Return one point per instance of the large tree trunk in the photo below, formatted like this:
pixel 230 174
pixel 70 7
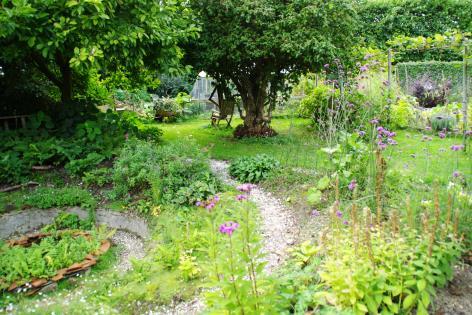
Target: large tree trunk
pixel 253 95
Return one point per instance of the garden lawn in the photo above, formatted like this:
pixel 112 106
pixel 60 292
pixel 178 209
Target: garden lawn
pixel 296 146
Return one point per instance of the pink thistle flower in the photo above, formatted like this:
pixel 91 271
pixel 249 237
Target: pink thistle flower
pixel 241 197
pixel 228 228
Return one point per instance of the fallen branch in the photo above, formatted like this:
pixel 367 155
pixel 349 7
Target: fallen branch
pixel 12 188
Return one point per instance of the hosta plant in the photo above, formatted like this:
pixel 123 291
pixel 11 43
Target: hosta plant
pixel 253 169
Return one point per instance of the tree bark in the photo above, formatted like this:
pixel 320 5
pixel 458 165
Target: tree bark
pixel 64 83
pixel 66 74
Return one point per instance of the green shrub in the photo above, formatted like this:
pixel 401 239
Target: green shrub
pixel 133 168
pixel 443 122
pixel 253 169
pixel 97 177
pixel 81 165
pixel 12 168
pixel 176 173
pixel 316 103
pixel 401 113
pixel 46 197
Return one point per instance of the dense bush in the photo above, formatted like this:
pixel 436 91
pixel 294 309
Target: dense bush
pixel 175 174
pixel 253 169
pixel 171 86
pixel 402 113
pixel 316 103
pixel 330 110
pixel 78 144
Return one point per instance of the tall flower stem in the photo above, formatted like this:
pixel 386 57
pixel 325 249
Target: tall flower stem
pixel 233 279
pixel 252 274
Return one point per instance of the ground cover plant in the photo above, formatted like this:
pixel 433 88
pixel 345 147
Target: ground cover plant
pixel 42 260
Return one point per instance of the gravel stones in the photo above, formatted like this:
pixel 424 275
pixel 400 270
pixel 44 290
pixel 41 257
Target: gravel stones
pixel 131 245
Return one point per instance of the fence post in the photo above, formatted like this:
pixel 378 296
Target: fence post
pixel 389 67
pixel 465 82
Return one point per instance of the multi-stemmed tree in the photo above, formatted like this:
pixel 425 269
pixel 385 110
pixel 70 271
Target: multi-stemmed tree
pixel 260 45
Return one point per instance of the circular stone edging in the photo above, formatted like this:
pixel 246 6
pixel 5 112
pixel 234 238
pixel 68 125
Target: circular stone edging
pixel 24 221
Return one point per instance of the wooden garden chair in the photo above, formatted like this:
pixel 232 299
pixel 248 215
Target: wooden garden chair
pixel 225 110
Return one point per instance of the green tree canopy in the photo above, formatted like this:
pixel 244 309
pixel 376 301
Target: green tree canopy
pixel 382 20
pixel 62 36
pixel 260 44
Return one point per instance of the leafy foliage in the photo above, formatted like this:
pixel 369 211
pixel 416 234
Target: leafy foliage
pixel 75 35
pixel 251 44
pixel 429 93
pixel 44 259
pixel 437 72
pixel 176 173
pixel 79 145
pixel 253 169
pixel 46 197
pixel 382 20
pixel 402 113
pixel 68 221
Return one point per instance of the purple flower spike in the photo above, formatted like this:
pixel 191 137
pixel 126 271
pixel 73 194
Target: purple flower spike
pixel 216 198
pixel 198 203
pixel 228 228
pixel 361 133
pixel 374 121
pixel 456 174
pixel 352 185
pixel 442 135
pixel 210 206
pixel 345 222
pixel 241 197
pixel 364 68
pixel 339 214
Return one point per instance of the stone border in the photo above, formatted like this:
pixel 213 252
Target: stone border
pixel 24 221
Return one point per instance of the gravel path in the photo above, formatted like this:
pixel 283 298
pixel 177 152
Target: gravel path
pixel 278 229
pixel 131 247
pixel 278 224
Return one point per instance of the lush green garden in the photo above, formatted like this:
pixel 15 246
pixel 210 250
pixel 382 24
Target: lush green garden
pixel 341 185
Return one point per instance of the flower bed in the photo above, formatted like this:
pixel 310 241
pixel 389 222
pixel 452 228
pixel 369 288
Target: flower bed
pixel 37 260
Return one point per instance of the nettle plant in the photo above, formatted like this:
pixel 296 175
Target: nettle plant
pixel 374 266
pixel 253 169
